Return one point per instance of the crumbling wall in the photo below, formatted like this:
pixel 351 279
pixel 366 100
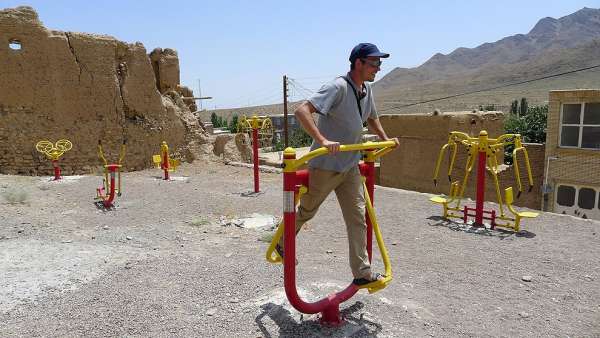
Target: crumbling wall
pixel 84 88
pixel 421 136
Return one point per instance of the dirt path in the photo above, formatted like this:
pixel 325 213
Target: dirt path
pixel 162 264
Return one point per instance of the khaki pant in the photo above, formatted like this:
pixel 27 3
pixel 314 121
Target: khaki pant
pixel 350 195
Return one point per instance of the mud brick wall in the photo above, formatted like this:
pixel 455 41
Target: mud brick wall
pixel 412 166
pixel 85 88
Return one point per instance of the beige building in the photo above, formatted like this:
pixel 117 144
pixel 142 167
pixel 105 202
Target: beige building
pixel 572 172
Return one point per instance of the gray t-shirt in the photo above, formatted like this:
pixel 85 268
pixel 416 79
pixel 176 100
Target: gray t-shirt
pixel 340 121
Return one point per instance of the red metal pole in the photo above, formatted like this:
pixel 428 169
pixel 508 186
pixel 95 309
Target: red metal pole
pixel 165 164
pixel 112 168
pixel 329 306
pixel 56 170
pixel 480 188
pixel 255 157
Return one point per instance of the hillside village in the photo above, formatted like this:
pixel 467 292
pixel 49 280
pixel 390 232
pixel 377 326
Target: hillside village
pixel 107 238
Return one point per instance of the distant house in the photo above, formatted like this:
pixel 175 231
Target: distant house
pixel 278 126
pixel 572 161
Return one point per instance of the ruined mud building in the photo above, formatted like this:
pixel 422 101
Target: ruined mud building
pixel 85 88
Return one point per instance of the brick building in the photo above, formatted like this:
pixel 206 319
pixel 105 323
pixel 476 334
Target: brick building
pixel 572 159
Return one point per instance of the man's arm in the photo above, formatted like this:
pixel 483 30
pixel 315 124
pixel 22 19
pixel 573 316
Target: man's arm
pixel 375 126
pixel 304 115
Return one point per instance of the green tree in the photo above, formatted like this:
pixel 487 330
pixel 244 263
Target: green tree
pixel 298 139
pixel 531 126
pixel 524 107
pixel 514 107
pixel 213 119
pixel 233 124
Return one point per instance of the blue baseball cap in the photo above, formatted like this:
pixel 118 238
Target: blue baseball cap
pixel 365 49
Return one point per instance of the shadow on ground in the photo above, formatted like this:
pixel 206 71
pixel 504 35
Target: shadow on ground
pixel 355 324
pixel 497 232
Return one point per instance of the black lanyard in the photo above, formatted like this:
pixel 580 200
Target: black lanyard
pixel 356 96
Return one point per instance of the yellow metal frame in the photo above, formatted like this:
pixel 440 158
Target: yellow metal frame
pixel 106 172
pixel 262 123
pixel 157 159
pixel 491 146
pixel 372 151
pixel 54 151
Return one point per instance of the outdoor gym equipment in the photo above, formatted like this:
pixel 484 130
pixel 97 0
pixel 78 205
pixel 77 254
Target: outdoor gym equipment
pixel 261 129
pixel 295 183
pixel 54 152
pixel 106 192
pixel 163 161
pixel 485 150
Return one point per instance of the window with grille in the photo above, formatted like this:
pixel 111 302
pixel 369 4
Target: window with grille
pixel 586 198
pixel 565 195
pixel 580 125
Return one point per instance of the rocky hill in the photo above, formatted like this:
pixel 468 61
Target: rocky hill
pixel 552 46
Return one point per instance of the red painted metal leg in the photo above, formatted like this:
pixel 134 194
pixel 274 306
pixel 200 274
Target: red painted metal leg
pixel 330 316
pixel 165 164
pixel 480 188
pixel 255 157
pixel 108 202
pixel 56 170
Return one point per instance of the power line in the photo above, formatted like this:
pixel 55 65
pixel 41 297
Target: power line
pixel 491 88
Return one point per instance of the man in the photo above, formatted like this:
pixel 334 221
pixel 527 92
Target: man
pixel 343 104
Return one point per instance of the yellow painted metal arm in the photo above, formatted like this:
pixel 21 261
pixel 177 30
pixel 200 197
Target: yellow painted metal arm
pixel 122 152
pixel 101 153
pixel 382 249
pixel 439 162
pixel 346 147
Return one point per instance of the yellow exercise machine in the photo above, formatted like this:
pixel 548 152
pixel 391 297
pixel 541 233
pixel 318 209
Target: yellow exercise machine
pixel 484 150
pixel 163 160
pixel 106 192
pixel 263 126
pixel 295 183
pixel 54 152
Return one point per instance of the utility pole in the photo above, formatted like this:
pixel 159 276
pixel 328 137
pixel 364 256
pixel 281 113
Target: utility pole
pixel 200 93
pixel 285 112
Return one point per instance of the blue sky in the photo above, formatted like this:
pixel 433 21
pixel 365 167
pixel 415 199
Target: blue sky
pixel 239 50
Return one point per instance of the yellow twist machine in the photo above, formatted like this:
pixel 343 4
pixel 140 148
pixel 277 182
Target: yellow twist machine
pixel 295 183
pixel 54 152
pixel 484 150
pixel 261 131
pixel 164 162
pixel 262 124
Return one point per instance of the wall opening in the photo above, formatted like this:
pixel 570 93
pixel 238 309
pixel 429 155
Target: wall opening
pixel 14 44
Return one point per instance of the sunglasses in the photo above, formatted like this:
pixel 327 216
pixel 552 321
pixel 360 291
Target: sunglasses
pixel 372 63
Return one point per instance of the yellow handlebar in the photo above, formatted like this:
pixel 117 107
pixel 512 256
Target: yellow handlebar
pixel 383 146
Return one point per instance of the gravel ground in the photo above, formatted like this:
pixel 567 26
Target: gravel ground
pixel 165 262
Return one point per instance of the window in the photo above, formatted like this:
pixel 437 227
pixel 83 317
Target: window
pixel 14 44
pixel 565 195
pixel 586 198
pixel 580 125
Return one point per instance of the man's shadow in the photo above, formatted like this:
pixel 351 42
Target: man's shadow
pixel 354 323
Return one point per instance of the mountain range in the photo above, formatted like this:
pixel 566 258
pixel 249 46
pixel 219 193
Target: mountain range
pixel 553 46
